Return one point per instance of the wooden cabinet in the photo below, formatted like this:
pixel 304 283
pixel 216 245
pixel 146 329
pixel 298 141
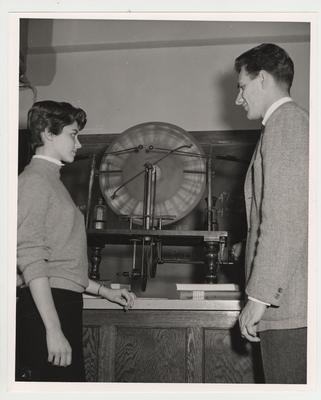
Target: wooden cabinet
pixel 167 345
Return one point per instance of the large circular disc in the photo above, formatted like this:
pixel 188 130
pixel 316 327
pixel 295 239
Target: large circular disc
pixel 178 162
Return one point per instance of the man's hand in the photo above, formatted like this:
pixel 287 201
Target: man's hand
pixel 237 250
pixel 249 318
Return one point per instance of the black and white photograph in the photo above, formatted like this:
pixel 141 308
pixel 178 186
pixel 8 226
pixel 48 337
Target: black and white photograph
pixel 162 184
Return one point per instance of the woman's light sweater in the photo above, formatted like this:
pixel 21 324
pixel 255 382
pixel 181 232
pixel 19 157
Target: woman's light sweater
pixel 51 239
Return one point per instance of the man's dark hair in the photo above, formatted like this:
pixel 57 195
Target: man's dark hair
pixel 54 116
pixel 270 58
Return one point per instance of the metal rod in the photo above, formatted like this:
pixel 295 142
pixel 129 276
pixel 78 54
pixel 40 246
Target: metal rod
pixel 209 193
pixel 124 151
pixel 141 172
pixel 125 183
pixel 134 254
pixel 153 149
pixel 90 187
pixel 189 171
pixel 153 206
pixel 147 206
pixel 111 171
pixel 180 261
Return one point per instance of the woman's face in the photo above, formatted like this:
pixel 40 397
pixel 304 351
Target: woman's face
pixel 65 145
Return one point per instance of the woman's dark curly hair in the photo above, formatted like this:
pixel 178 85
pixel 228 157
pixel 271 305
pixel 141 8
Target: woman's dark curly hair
pixel 54 116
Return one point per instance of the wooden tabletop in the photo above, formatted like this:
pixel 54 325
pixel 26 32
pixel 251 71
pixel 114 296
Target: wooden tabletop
pixel 231 302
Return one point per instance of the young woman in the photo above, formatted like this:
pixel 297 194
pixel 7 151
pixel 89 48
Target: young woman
pixel 52 253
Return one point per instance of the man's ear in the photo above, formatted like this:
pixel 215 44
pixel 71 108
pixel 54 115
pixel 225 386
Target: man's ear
pixel 265 78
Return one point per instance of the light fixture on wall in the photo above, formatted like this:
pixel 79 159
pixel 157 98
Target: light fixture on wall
pixel 27 95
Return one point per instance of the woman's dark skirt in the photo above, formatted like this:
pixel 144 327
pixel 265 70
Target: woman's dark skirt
pixel 31 345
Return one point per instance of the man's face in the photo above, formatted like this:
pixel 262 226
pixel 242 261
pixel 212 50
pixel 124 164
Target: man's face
pixel 250 95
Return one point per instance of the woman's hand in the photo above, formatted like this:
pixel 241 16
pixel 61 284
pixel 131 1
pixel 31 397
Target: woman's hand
pixel 59 349
pixel 120 296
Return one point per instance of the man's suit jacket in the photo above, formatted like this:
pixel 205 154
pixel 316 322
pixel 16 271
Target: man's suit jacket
pixel 276 198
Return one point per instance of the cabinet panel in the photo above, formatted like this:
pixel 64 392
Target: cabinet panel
pixel 168 346
pixel 91 352
pixel 228 359
pixel 195 354
pixel 150 355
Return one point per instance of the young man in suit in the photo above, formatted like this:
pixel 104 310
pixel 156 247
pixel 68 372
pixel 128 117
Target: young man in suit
pixel 276 197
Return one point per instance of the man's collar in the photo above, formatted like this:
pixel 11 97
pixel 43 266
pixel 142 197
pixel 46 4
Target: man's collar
pixel 273 107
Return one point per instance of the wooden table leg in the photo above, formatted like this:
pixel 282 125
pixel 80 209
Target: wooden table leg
pixel 211 258
pixel 95 262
